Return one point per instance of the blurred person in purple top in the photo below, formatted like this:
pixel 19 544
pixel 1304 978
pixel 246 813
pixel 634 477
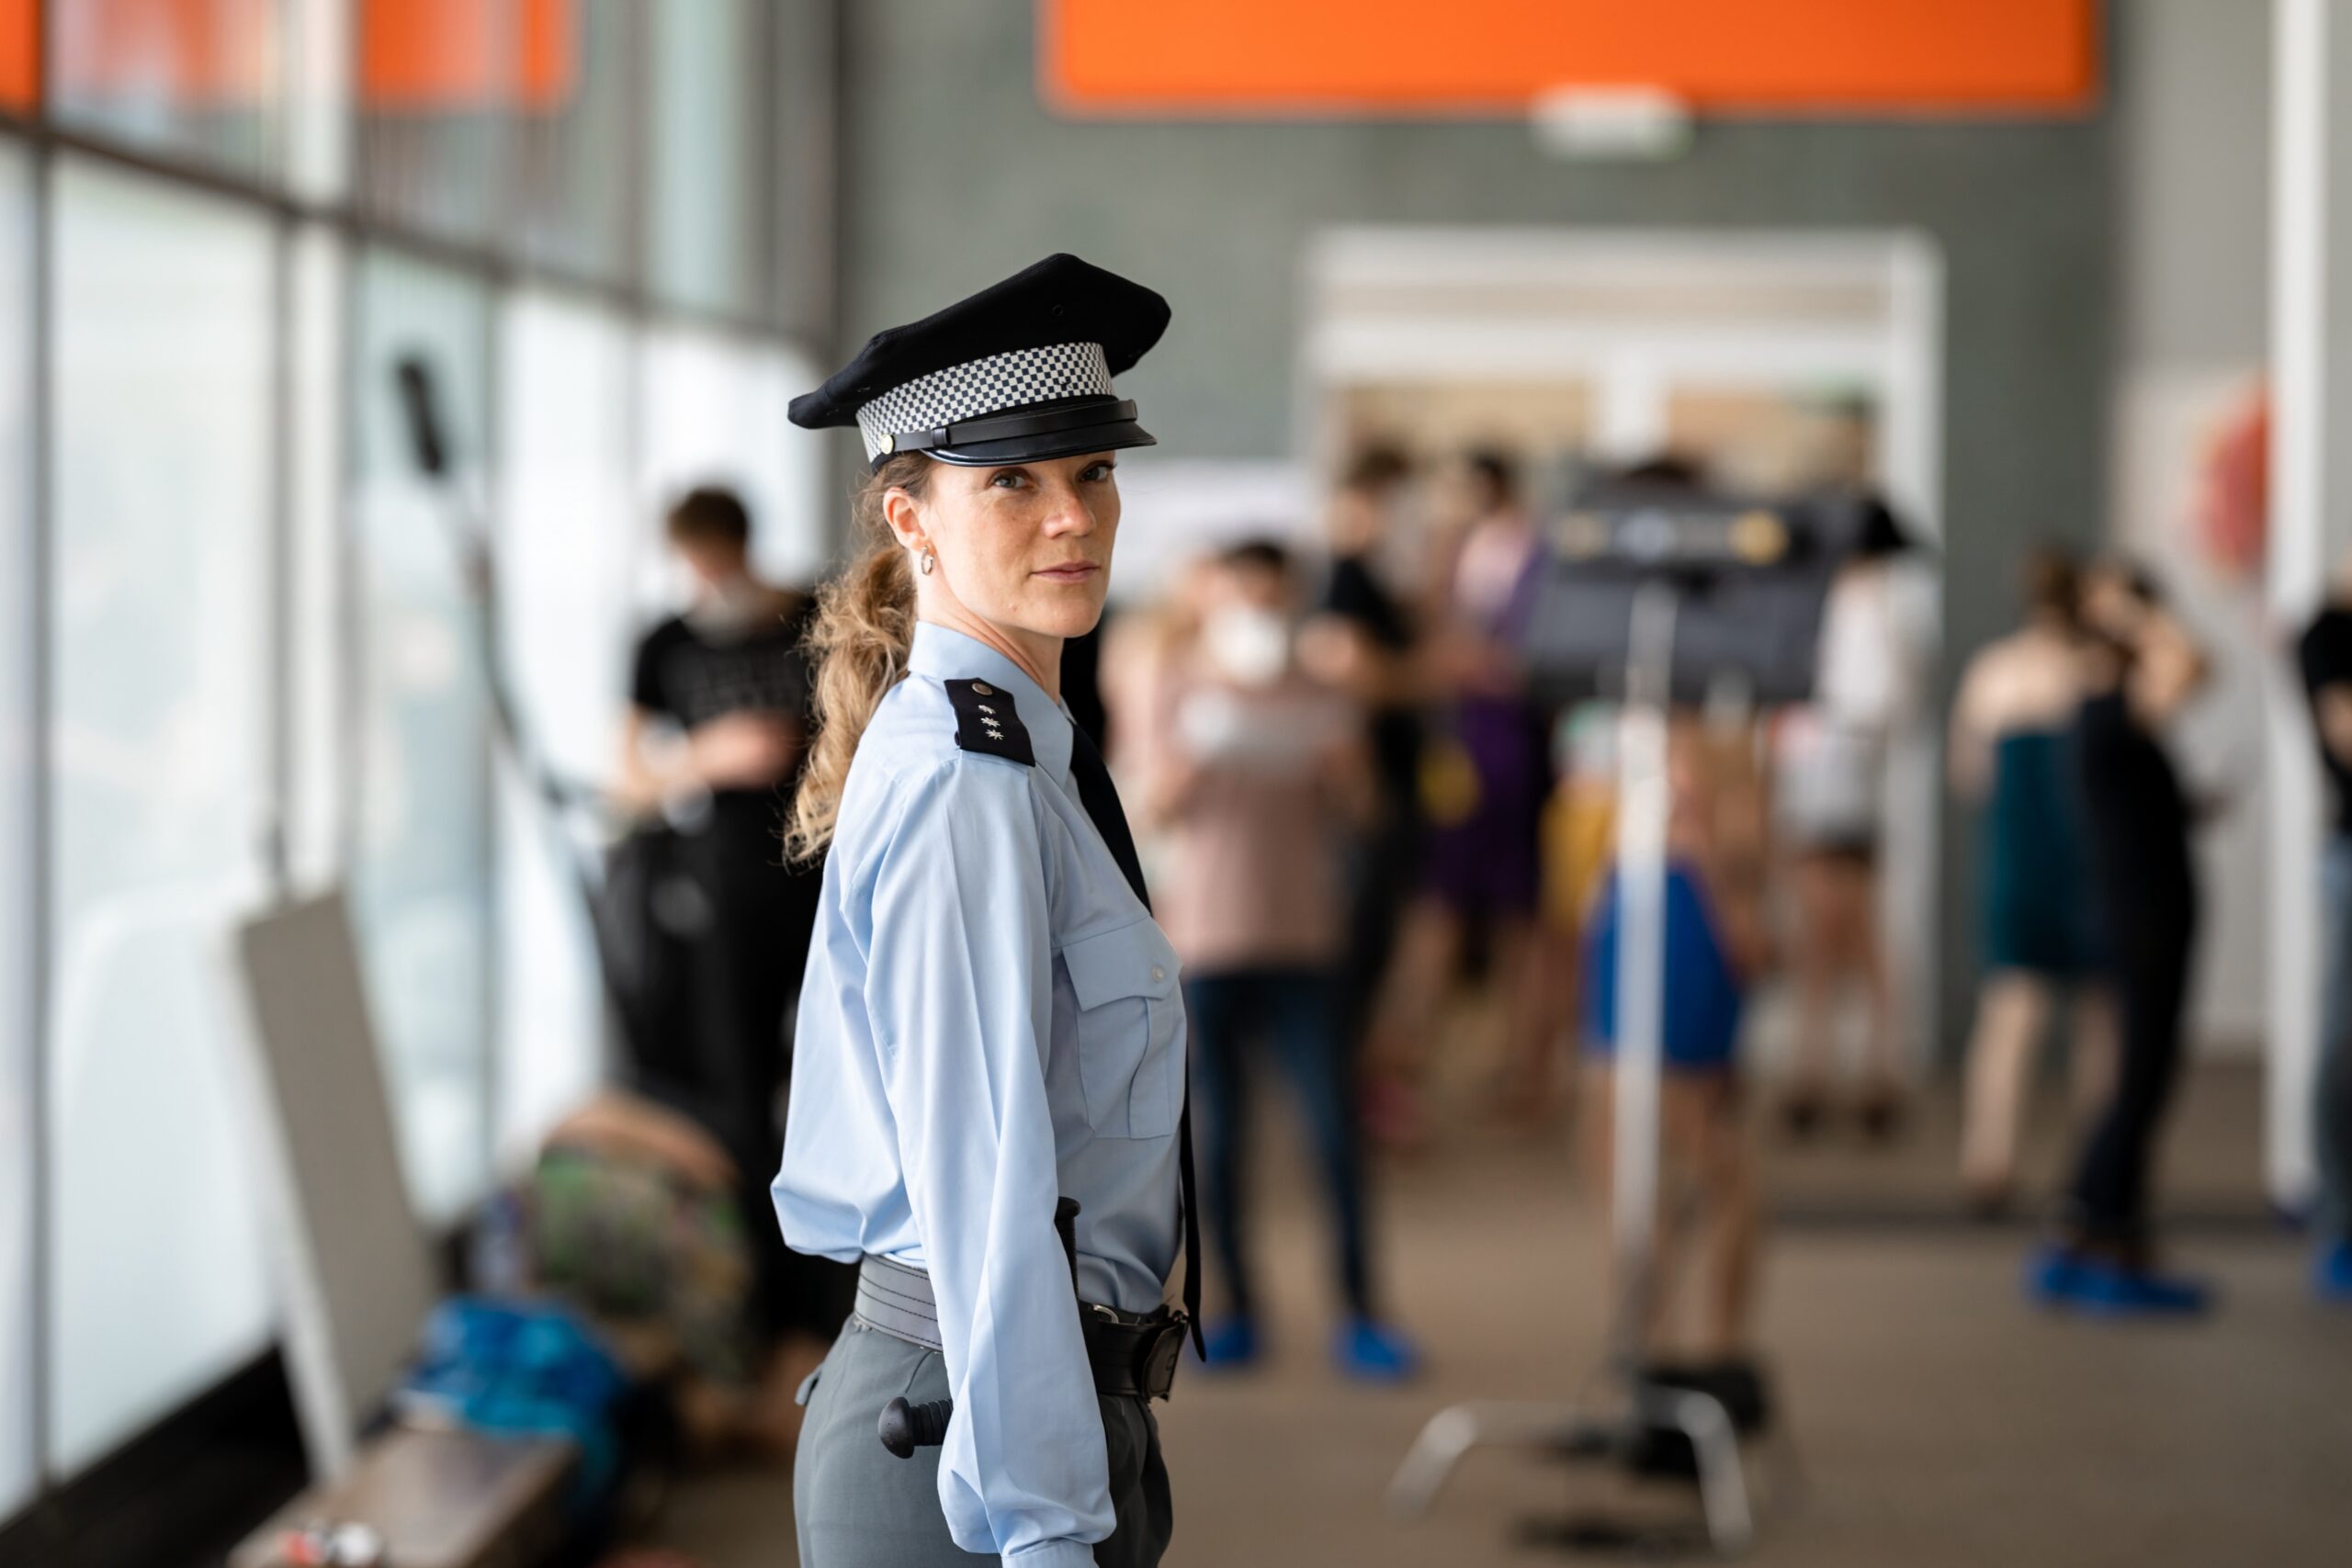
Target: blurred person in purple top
pixel 1485 773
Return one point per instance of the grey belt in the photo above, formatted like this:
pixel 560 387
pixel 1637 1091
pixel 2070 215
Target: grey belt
pixel 897 1301
pixel 1132 1356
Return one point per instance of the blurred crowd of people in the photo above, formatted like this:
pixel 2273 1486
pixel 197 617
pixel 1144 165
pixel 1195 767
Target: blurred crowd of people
pixel 2088 895
pixel 1358 795
pixel 1355 798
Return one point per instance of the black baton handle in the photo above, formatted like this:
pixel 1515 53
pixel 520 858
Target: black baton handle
pixel 905 1428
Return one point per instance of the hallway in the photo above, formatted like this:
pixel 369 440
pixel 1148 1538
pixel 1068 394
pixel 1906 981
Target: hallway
pixel 1937 1422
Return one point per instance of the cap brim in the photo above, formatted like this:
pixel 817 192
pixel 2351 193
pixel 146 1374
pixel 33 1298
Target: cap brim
pixel 1112 435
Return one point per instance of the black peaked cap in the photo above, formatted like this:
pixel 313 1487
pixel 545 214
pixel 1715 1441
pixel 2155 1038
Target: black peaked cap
pixel 1060 299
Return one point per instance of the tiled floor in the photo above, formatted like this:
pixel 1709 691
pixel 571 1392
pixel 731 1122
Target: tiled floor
pixel 1938 1421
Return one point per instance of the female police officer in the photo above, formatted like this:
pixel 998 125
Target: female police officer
pixel 991 1022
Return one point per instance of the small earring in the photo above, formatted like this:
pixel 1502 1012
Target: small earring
pixel 928 562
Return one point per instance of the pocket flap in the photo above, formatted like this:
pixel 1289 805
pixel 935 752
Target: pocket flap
pixel 1133 960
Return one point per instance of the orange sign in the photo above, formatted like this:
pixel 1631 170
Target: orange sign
pixel 19 55
pixel 423 55
pixel 1477 57
pixel 449 54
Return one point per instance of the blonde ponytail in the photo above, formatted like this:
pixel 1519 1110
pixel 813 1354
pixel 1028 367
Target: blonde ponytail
pixel 864 627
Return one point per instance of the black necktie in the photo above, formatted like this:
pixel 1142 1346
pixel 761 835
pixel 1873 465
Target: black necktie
pixel 1101 798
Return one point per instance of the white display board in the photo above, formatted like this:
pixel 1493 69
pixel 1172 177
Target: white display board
pixel 354 1270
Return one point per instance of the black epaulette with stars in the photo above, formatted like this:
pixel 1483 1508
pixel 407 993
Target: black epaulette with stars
pixel 987 722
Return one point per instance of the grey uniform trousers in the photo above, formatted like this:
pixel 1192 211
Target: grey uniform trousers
pixel 857 1506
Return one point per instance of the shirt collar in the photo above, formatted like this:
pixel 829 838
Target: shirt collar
pixel 949 655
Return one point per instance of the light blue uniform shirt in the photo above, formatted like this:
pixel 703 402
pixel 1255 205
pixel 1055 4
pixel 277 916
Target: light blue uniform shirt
pixel 990 1021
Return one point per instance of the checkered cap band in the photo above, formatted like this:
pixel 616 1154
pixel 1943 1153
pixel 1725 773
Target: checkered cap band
pixel 980 386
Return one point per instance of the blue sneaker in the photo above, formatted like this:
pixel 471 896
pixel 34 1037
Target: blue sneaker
pixel 1230 1344
pixel 2105 1289
pixel 2331 1273
pixel 2050 1276
pixel 1371 1352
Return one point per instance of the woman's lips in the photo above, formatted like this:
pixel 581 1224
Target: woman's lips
pixel 1075 571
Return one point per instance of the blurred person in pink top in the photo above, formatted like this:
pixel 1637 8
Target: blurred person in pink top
pixel 1261 772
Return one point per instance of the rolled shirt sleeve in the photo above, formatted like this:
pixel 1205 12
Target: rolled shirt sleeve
pixel 960 995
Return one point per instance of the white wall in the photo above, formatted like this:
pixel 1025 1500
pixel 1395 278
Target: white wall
pixel 2192 79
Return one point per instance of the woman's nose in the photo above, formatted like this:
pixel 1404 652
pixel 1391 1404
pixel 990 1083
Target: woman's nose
pixel 1068 511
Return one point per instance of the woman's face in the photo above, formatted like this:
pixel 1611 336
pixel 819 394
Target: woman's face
pixel 1025 546
pixel 2111 604
pixel 1357 521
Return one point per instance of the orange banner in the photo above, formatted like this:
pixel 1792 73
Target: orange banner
pixel 436 55
pixel 1305 57
pixel 423 55
pixel 19 55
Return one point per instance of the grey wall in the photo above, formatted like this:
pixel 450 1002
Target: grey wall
pixel 2193 172
pixel 954 175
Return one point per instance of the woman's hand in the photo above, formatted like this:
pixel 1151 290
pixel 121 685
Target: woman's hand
pixel 1170 786
pixel 742 750
pixel 2168 668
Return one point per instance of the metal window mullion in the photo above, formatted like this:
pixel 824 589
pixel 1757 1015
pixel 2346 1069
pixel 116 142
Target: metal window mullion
pixel 638 110
pixel 491 625
pixel 350 630
pixel 279 581
pixel 40 535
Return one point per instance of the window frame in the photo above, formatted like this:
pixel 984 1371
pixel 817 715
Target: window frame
pixel 247 1418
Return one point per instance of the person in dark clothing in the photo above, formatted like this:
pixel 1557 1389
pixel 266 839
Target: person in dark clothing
pixel 2324 655
pixel 2142 667
pixel 1360 640
pixel 714 739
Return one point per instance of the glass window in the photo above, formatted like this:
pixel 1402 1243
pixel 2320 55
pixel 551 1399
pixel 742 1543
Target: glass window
pixel 158 608
pixel 802 156
pixel 572 145
pixel 435 81
pixel 714 413
pixel 19 1462
pixel 421 876
pixel 197 77
pixel 704 200
pixel 564 565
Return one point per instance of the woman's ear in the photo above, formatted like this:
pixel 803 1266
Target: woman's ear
pixel 904 515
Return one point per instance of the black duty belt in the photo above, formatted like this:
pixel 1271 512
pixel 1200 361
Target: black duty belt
pixel 1133 1356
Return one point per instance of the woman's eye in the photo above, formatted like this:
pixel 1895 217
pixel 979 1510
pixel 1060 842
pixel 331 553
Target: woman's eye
pixel 1008 479
pixel 1095 473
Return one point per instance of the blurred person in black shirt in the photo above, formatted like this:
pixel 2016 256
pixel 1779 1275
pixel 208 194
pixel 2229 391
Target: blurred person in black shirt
pixel 2326 656
pixel 2141 667
pixel 1362 640
pixel 714 737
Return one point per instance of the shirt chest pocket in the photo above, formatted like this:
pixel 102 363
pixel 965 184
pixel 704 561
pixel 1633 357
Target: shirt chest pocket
pixel 1130 1029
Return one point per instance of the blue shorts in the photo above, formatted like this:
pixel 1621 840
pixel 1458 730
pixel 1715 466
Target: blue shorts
pixel 1704 998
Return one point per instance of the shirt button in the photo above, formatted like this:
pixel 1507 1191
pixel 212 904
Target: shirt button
pixel 982 689
pixel 1157 974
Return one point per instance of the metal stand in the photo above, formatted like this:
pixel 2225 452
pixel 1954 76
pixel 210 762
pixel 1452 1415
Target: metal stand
pixel 1589 1426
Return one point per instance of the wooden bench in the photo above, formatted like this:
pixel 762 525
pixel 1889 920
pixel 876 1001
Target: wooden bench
pixel 440 1499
